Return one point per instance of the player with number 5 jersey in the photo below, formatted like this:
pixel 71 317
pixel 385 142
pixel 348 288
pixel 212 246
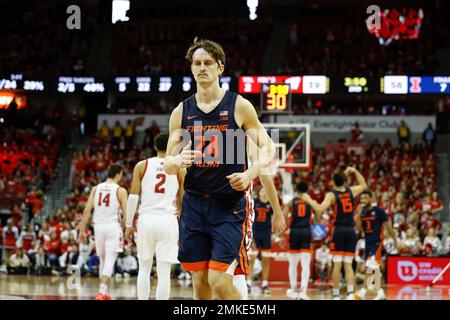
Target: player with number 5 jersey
pixel 343 235
pixel 109 201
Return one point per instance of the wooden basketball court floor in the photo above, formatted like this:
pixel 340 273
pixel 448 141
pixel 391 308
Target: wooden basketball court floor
pixel 13 287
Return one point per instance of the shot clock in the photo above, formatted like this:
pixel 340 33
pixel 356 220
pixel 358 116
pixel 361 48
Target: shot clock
pixel 275 98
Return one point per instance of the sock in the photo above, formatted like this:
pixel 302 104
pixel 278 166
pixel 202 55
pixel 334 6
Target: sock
pixel 103 289
pixel 362 292
pixel 305 259
pixel 293 262
pixel 335 292
pixel 163 287
pixel 350 288
pixel 241 285
pixel 143 278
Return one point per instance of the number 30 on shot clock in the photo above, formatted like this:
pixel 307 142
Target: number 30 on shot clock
pixel 275 97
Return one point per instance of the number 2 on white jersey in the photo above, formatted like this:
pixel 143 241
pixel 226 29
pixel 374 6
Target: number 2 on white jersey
pixel 162 179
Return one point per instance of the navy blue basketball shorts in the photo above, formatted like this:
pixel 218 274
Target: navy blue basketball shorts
pixel 213 232
pixel 373 248
pixel 343 243
pixel 300 240
pixel 262 239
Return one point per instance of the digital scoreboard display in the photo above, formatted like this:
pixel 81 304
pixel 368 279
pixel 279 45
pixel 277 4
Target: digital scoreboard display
pixel 415 85
pixel 19 82
pixel 356 84
pixel 79 84
pixel 429 84
pixel 275 97
pixel 298 84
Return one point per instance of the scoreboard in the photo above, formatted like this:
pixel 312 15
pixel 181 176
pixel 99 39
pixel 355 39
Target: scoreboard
pixel 298 84
pixel 275 97
pixel 415 85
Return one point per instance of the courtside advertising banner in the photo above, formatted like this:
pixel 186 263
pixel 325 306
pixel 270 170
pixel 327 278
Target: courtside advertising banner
pixel 417 270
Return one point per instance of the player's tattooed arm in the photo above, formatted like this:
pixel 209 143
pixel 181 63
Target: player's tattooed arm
pixel 362 184
pixel 86 214
pixel 178 156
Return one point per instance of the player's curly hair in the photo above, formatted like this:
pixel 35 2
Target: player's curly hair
pixel 213 48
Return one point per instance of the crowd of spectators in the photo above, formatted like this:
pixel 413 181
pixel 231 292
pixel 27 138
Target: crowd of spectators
pixel 347 48
pixel 37 42
pixel 27 163
pixel 157 46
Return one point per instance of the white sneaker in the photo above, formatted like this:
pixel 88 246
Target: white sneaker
pixel 126 275
pixel 360 295
pixel 303 296
pixel 336 298
pixel 181 276
pixel 353 296
pixel 380 296
pixel 187 276
pixel 118 276
pixel 292 294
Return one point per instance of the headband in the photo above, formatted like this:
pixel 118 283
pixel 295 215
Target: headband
pixel 202 51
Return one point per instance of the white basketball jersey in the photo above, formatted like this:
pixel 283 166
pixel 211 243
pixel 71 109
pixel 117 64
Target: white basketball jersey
pixel 106 204
pixel 158 189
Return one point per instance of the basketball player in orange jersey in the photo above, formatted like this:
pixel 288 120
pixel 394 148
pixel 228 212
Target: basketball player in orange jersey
pixel 300 248
pixel 109 201
pixel 343 233
pixel 157 225
pixel 215 205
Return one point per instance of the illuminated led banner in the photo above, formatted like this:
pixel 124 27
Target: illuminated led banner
pixel 298 84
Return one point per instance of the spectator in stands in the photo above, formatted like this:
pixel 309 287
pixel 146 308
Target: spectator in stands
pixel 127 265
pixel 68 258
pixel 429 137
pixel 18 263
pixel 447 243
pixel 85 248
pixel 41 263
pixel 129 134
pixel 323 263
pixel 357 134
pixel 105 131
pixel 117 134
pixel 52 248
pixel 410 244
pixel 432 244
pixel 10 235
pixel 93 265
pixel 403 133
pixel 27 238
pixel 437 206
